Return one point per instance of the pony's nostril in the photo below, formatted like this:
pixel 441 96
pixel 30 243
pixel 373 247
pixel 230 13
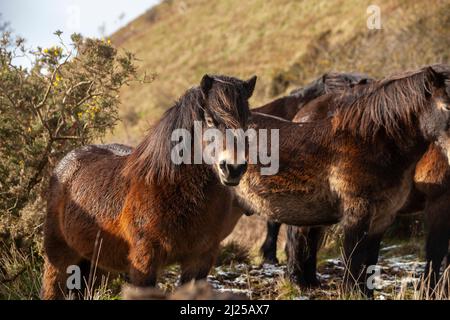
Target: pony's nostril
pixel 236 170
pixel 243 167
pixel 223 165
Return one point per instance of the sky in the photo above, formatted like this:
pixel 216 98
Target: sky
pixel 37 20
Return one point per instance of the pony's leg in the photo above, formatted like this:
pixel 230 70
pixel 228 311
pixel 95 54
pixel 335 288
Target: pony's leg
pixel 269 247
pixel 91 278
pixel 58 258
pixel 356 227
pixel 143 265
pixel 373 251
pixel 437 242
pixel 436 250
pixel 447 264
pixel 198 268
pixel 53 286
pixel 301 248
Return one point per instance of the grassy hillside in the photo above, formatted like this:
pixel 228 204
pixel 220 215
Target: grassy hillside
pixel 285 43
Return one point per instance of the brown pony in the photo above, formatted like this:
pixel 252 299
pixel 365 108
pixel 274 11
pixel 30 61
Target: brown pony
pixel 357 164
pixel 136 211
pixel 431 193
pixel 432 183
pixel 287 108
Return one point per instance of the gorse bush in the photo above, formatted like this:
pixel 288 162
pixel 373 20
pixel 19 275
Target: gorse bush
pixel 68 97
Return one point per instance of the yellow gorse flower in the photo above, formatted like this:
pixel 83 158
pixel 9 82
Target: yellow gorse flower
pixel 53 51
pixel 57 80
pixel 108 41
pixel 90 111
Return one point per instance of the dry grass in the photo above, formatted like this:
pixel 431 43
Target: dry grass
pixel 286 43
pixel 20 273
pixel 232 252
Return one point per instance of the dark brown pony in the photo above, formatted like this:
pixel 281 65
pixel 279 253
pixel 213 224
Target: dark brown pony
pixel 431 193
pixel 357 164
pixel 287 108
pixel 432 183
pixel 136 211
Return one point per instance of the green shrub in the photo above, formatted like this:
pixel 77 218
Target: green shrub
pixel 68 97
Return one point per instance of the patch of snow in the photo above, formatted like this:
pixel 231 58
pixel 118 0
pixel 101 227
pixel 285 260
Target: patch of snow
pixel 407 263
pixel 232 290
pixel 395 246
pixel 323 276
pixel 301 298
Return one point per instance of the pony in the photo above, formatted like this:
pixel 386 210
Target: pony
pixel 355 166
pixel 135 210
pixel 430 193
pixel 287 108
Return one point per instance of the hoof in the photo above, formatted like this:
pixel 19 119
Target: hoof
pixel 271 260
pixel 305 283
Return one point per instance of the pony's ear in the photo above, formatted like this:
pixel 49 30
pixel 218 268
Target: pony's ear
pixel 206 83
pixel 439 74
pixel 250 86
pixel 364 81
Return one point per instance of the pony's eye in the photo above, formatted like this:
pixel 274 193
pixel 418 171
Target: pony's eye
pixel 210 121
pixel 443 105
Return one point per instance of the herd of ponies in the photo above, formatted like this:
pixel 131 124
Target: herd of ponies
pixel 352 150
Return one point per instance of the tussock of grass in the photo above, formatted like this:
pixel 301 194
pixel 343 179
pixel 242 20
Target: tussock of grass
pixel 285 290
pixel 20 273
pixel 232 252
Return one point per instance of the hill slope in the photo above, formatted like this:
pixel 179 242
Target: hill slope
pixel 286 43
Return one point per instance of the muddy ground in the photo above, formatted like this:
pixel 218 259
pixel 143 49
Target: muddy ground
pixel 401 269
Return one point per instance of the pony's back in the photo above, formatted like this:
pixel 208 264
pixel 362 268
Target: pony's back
pixel 332 82
pixel 71 162
pixel 86 172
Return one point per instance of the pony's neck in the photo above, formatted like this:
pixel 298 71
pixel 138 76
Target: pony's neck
pixel 390 106
pixel 151 160
pixel 194 174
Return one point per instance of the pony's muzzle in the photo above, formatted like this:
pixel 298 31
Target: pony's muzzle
pixel 231 174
